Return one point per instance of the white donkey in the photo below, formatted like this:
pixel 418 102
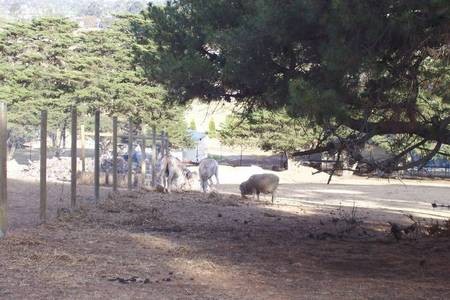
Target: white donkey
pixel 172 169
pixel 207 169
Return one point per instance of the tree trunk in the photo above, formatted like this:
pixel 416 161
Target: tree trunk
pixel 143 162
pixel 11 151
pixel 240 162
pixel 286 161
pixel 59 141
pixel 63 135
pixel 53 139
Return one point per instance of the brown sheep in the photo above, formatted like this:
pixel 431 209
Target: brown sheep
pixel 261 183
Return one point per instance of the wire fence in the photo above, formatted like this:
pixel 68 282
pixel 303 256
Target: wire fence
pixel 429 171
pixel 117 155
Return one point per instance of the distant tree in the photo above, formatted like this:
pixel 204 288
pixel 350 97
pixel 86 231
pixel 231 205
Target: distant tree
pixel 119 87
pixel 237 132
pixel 192 125
pixel 270 131
pixel 212 129
pixel 278 132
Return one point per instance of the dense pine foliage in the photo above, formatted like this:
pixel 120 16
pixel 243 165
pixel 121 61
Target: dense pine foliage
pixel 362 70
pixel 49 63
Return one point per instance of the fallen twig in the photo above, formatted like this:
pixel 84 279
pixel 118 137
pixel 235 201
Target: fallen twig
pixel 435 205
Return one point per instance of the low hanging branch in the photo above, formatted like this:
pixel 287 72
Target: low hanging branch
pixel 421 162
pixel 353 145
pixel 335 167
pixel 393 164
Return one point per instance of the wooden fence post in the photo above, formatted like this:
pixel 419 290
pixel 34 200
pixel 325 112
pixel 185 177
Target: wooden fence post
pixel 97 156
pixel 43 169
pixel 73 180
pixel 3 171
pixel 130 155
pixel 154 156
pixel 82 150
pixel 114 141
pixel 163 153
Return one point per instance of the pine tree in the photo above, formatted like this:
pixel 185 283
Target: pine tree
pixel 212 129
pixel 192 125
pixel 49 64
pixel 270 131
pixel 377 68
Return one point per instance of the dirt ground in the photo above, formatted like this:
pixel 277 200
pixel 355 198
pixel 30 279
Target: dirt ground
pixel 315 242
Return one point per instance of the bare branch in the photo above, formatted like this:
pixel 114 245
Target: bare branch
pixel 421 162
pixel 335 167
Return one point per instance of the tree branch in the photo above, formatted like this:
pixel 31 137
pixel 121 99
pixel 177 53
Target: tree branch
pixel 437 131
pixel 421 162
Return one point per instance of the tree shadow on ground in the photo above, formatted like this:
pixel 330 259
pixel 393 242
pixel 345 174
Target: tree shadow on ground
pixel 288 251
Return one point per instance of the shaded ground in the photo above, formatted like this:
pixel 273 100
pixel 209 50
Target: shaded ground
pixel 23 200
pixel 193 246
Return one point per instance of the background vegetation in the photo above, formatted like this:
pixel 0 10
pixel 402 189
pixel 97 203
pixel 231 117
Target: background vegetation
pixel 49 63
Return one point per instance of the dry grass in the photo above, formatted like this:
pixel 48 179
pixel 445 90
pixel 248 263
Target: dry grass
pixel 195 246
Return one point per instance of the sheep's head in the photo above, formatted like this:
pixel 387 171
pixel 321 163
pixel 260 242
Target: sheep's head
pixel 188 174
pixel 245 189
pixel 188 178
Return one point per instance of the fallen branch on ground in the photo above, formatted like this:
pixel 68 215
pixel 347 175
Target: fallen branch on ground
pixel 434 205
